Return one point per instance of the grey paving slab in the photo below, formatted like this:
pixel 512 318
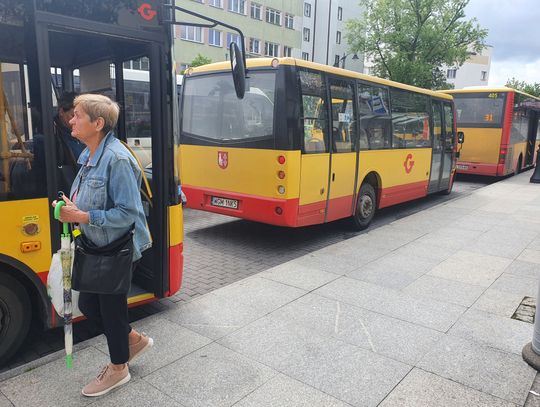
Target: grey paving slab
pixel 426 251
pixel 470 202
pixel 424 389
pixel 329 261
pixel 523 269
pixel 346 372
pixel 217 314
pixel 531 256
pixel 171 342
pixel 345 258
pixel 212 376
pixel 306 278
pixel 503 242
pixel 450 237
pixel 4 402
pixel 498 302
pixel 533 400
pixel 511 284
pixel 471 268
pixel 428 313
pixel 493 330
pixel 53 384
pixel 396 339
pixel 283 391
pixel 441 289
pixel 381 273
pixel 483 368
pixel 136 393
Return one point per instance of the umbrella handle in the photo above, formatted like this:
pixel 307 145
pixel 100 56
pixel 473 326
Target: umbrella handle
pixel 57 209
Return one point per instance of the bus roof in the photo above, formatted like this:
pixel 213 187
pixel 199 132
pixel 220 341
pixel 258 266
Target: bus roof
pixel 267 62
pixel 486 89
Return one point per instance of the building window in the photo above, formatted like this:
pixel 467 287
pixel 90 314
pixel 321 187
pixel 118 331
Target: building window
pixel 237 6
pixel 306 34
pixel 142 64
pixel 256 11
pixel 233 38
pixel 338 37
pixel 183 67
pixel 289 21
pixel 307 9
pixel 254 46
pixel 336 60
pixel 483 76
pixel 271 49
pixel 287 51
pixel 191 33
pixel 198 1
pixel 216 3
pixel 451 73
pixel 273 16
pixel 214 37
pixel 305 56
pixel 340 13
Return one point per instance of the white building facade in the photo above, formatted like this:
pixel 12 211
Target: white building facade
pixel 474 72
pixel 324 32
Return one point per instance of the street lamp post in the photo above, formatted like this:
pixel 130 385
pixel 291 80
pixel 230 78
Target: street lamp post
pixel 343 58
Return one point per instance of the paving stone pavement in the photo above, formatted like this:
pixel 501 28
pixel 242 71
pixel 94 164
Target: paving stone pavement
pixel 316 331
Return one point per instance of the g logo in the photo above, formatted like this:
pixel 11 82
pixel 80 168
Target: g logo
pixel 146 12
pixel 409 163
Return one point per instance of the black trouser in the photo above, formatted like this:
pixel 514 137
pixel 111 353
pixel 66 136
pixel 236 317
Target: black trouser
pixel 111 313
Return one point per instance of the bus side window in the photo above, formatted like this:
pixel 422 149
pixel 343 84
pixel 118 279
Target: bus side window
pixel 449 126
pixel 343 116
pixel 375 123
pixel 410 118
pixel 314 112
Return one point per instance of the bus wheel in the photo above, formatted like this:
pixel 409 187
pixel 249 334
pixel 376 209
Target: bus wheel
pixel 366 205
pixel 15 316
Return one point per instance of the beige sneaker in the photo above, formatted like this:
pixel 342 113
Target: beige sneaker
pixel 138 348
pixel 106 380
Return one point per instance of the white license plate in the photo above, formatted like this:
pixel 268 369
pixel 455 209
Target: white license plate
pixel 224 202
pixel 462 167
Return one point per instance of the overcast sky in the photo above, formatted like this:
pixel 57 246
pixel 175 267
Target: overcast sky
pixel 514 33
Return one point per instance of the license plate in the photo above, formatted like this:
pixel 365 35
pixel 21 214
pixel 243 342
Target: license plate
pixel 462 167
pixel 224 202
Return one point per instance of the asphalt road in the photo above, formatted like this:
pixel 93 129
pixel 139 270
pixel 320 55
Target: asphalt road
pixel 219 250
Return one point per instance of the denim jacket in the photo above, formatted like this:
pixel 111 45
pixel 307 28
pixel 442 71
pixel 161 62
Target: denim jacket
pixel 107 187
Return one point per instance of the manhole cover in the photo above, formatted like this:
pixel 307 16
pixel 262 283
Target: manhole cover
pixel 526 310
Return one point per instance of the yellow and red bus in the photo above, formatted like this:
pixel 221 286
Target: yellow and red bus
pixel 41 37
pixel 501 128
pixel 310 143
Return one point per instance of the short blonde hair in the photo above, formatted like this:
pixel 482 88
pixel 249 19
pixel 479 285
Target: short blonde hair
pixel 99 106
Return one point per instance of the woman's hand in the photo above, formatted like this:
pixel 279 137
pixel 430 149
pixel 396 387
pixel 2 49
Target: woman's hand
pixel 70 213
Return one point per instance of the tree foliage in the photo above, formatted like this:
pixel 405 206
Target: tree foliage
pixel 530 88
pixel 409 40
pixel 200 60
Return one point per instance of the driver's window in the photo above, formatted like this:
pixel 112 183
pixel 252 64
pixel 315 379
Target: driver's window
pixel 314 112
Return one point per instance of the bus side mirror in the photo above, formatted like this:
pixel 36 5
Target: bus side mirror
pixel 460 137
pixel 238 70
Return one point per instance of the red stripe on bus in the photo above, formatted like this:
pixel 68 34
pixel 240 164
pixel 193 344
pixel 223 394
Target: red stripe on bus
pixel 479 169
pixel 339 208
pixel 402 193
pixel 311 214
pixel 176 267
pixel 280 212
pixel 508 116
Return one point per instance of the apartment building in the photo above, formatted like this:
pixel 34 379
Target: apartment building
pixel 474 72
pixel 324 31
pixel 271 28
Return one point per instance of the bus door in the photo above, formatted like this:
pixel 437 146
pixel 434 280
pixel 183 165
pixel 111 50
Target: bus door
pixel 315 158
pixel 343 158
pixel 531 138
pixel 437 147
pixel 448 146
pixel 101 63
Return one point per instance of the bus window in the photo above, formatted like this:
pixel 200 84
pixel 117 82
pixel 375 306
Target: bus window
pixel 315 112
pixel 375 121
pixel 212 111
pixel 343 116
pixel 479 109
pixel 449 126
pixel 520 120
pixel 410 120
pixel 22 161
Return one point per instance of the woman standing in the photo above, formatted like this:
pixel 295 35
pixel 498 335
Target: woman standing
pixel 105 202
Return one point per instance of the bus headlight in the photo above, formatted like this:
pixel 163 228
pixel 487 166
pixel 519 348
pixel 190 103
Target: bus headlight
pixel 281 189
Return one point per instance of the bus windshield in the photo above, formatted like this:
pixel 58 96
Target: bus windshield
pixel 479 109
pixel 212 111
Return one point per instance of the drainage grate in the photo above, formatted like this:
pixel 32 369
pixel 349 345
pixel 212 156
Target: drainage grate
pixel 526 310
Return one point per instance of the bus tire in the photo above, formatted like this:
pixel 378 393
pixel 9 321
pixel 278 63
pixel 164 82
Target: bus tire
pixel 366 205
pixel 15 316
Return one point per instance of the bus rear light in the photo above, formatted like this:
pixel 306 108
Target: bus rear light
pixel 502 156
pixel 281 189
pixel 279 210
pixel 281 159
pixel 281 174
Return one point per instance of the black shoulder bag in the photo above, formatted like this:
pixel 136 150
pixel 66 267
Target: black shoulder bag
pixel 103 270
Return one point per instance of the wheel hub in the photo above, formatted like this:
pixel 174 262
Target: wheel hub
pixel 366 206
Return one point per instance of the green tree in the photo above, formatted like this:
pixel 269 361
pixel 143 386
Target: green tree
pixel 200 60
pixel 409 40
pixel 530 88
